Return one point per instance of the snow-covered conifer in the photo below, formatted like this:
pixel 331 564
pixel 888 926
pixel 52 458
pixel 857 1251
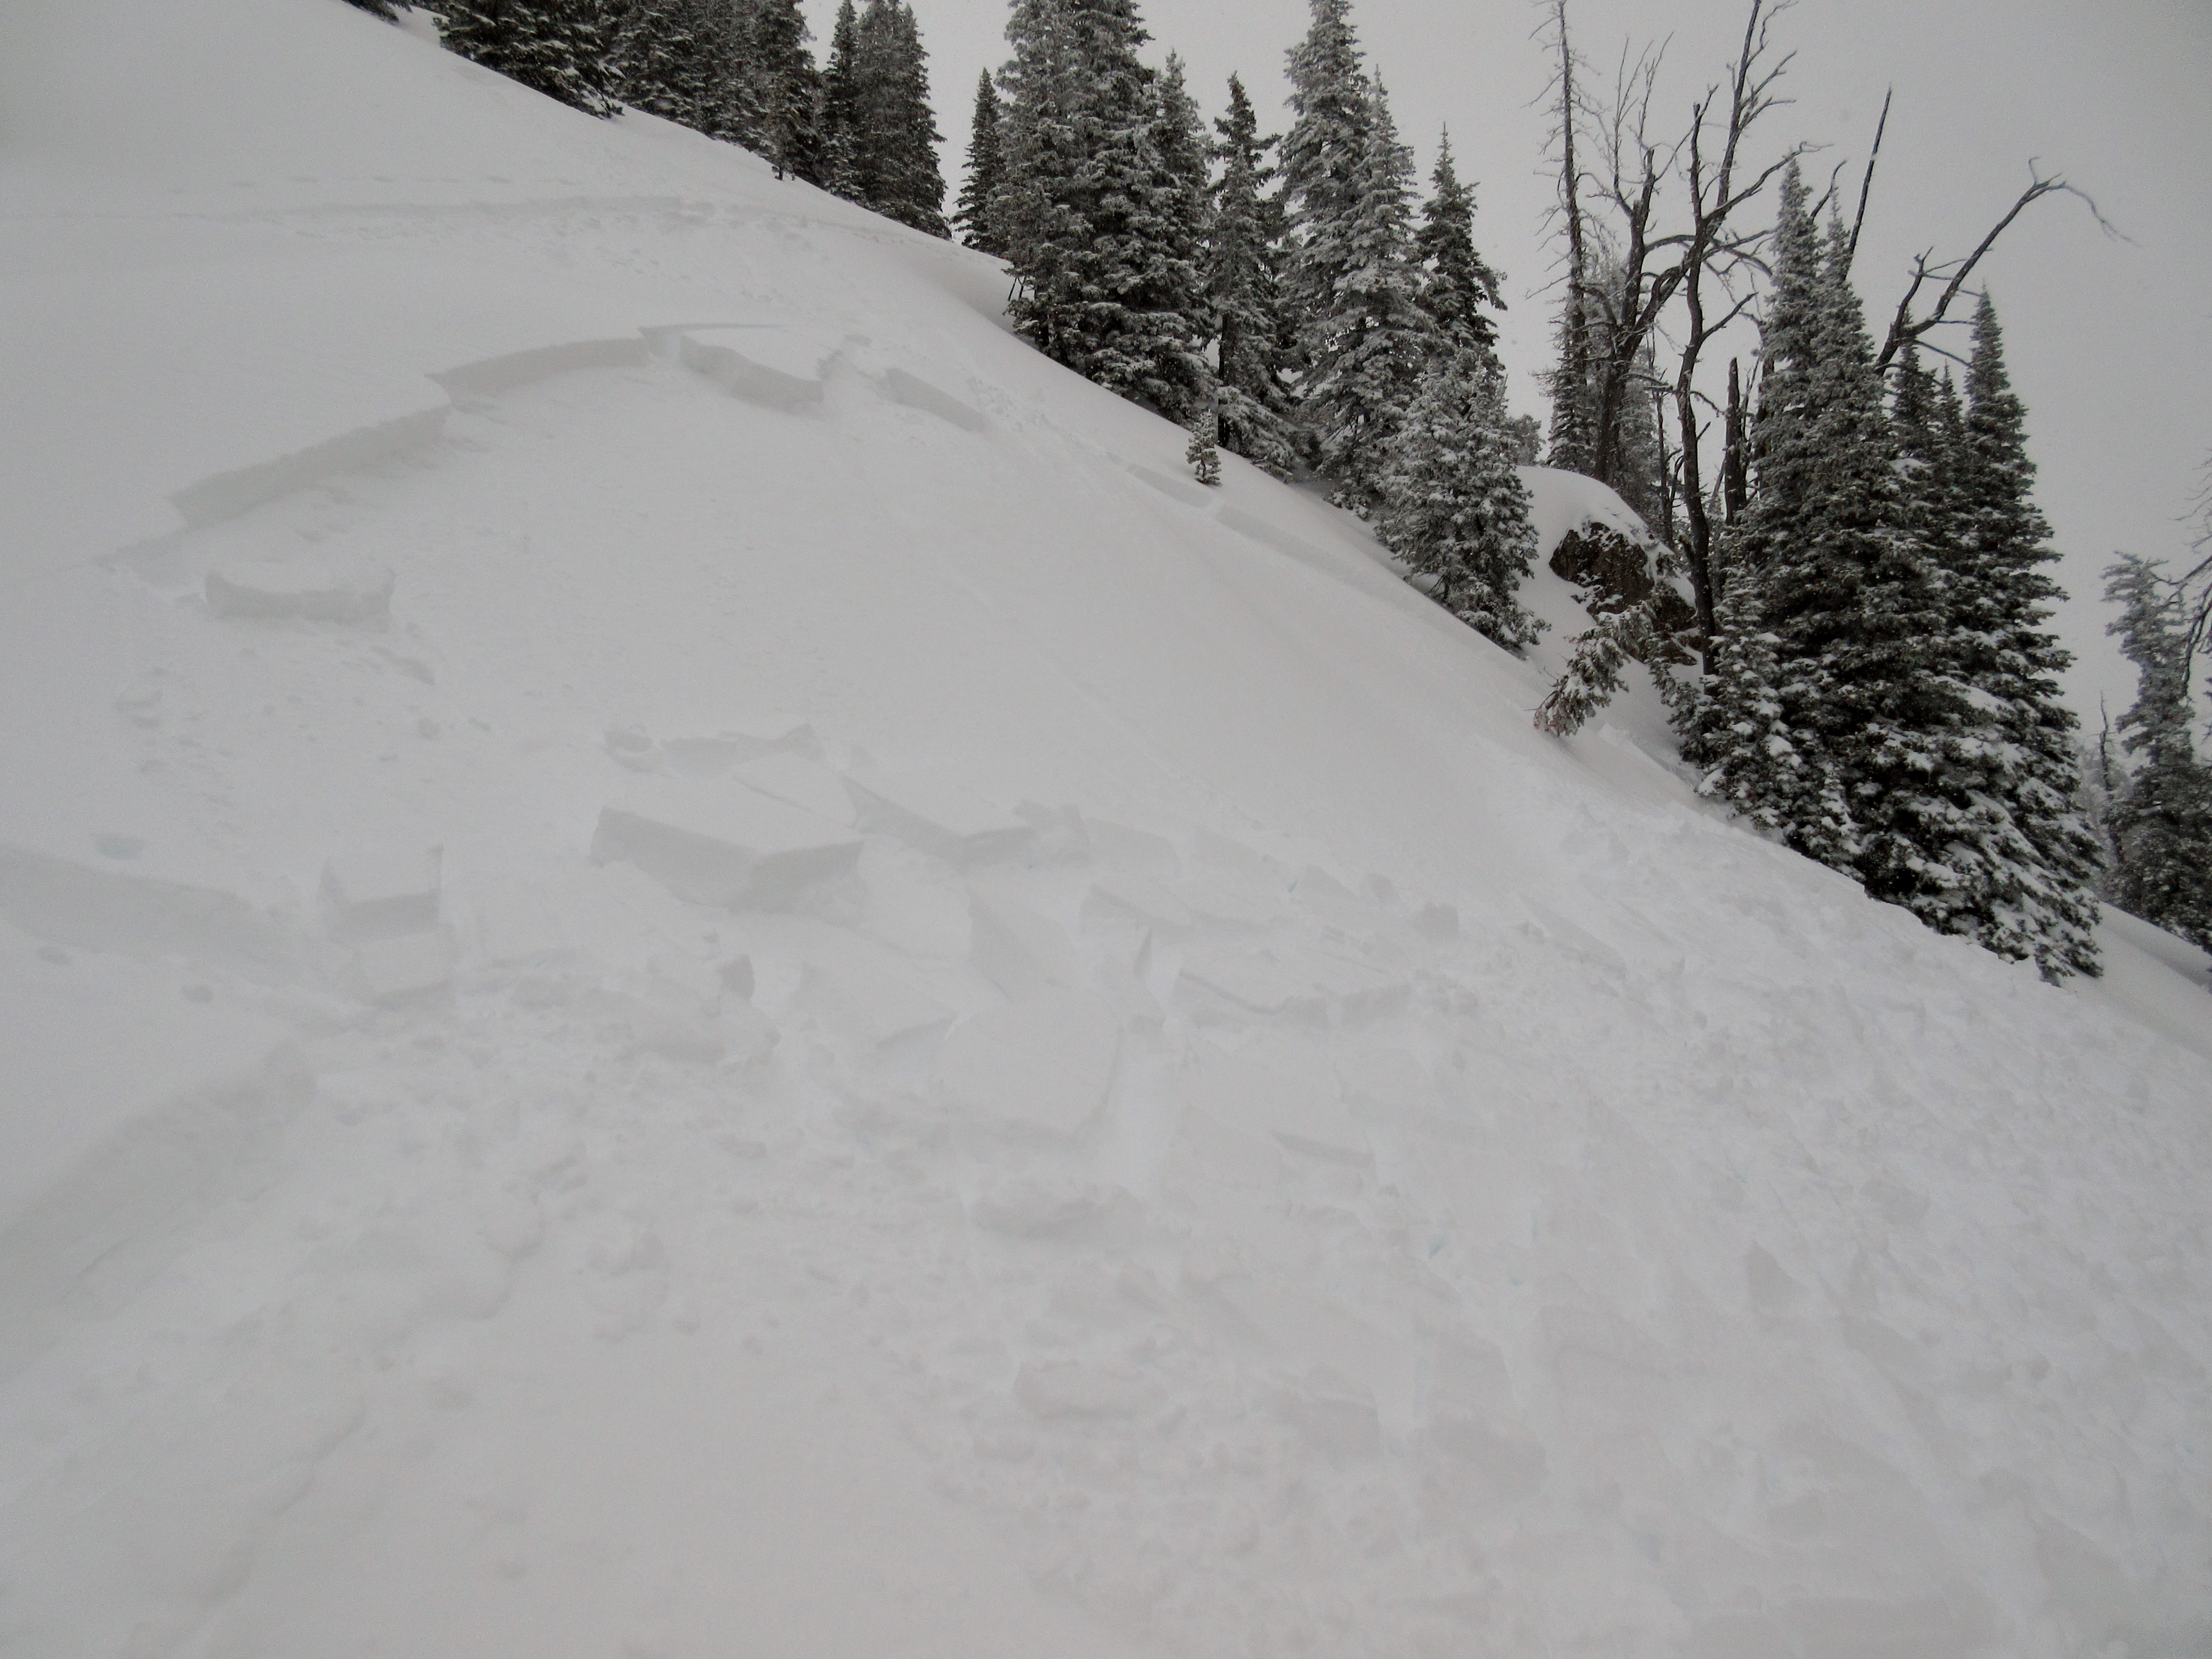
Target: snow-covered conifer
pixel 552 46
pixel 1455 509
pixel 840 95
pixel 785 90
pixel 1367 342
pixel 1243 290
pixel 894 137
pixel 1090 210
pixel 1457 283
pixel 2161 815
pixel 1204 454
pixel 2042 855
pixel 972 215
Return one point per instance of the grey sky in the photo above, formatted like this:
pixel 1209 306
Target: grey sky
pixel 2109 342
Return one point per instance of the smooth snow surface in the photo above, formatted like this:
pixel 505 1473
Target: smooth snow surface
pixel 692 963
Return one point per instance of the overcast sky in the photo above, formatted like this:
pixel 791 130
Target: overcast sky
pixel 2109 342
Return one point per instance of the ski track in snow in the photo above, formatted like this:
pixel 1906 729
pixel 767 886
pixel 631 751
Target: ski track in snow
pixel 1200 1135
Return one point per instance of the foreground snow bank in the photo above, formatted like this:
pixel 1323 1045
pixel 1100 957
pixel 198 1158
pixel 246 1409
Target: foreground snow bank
pixel 1215 1138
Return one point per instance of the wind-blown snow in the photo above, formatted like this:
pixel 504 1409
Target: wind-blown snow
pixel 771 992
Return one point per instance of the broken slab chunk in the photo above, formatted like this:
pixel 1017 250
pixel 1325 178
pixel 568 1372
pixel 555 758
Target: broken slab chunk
pixel 724 844
pixel 1041 1067
pixel 800 782
pixel 415 968
pixel 381 892
pixel 1017 950
pixel 320 588
pixel 872 1006
pixel 916 392
pixel 937 816
pixel 761 369
pixel 1118 895
pixel 1303 1113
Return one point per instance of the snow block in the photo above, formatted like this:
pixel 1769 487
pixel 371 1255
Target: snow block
pixel 1137 851
pixel 800 783
pixel 1243 984
pixel 724 844
pixel 108 911
pixel 1018 950
pixel 1041 1066
pixel 320 588
pixel 870 1005
pixel 227 494
pixel 514 927
pixel 373 893
pixel 415 968
pixel 752 372
pixel 1301 1113
pixel 938 818
pixel 916 392
pixel 489 376
pixel 1118 895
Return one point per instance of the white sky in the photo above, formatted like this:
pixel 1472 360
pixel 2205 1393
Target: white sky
pixel 2110 342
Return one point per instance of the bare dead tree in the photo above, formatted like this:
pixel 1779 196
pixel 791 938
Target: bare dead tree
pixel 1569 394
pixel 1905 329
pixel 1719 185
pixel 1866 181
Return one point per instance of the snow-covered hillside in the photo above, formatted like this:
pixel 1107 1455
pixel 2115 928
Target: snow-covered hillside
pixel 691 962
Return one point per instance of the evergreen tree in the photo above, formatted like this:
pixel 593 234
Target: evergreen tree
pixel 894 136
pixel 1363 336
pixel 840 102
pixel 985 170
pixel 1171 225
pixel 1456 284
pixel 1088 208
pixel 2161 816
pixel 2042 855
pixel 1455 509
pixel 1740 737
pixel 377 9
pixel 552 46
pixel 1243 290
pixel 1864 702
pixel 1203 455
pixel 785 90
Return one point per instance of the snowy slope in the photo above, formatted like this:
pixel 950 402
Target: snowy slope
pixel 690 961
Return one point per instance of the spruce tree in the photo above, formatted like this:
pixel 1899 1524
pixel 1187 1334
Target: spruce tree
pixel 1841 586
pixel 1348 279
pixel 985 169
pixel 2043 855
pixel 1243 292
pixel 1456 284
pixel 2161 816
pixel 1364 340
pixel 1453 506
pixel 1203 454
pixel 552 46
pixel 839 95
pixel 893 133
pixel 785 90
pixel 377 9
pixel 1088 208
